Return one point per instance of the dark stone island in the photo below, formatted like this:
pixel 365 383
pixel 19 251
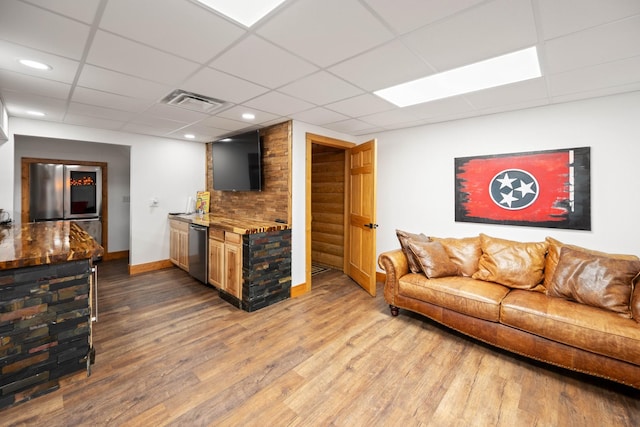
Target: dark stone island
pixel 45 306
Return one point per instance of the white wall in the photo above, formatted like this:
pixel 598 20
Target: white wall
pixel 117 158
pixel 169 170
pixel 298 190
pixel 415 174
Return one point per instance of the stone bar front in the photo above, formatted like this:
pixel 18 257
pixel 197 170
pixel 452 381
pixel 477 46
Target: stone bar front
pixel 45 309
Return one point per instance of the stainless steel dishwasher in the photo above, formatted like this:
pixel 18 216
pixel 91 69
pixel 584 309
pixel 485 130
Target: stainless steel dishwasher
pixel 198 252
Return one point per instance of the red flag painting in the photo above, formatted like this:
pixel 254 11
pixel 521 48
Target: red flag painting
pixel 540 189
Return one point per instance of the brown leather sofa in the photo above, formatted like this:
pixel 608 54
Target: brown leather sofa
pixel 561 304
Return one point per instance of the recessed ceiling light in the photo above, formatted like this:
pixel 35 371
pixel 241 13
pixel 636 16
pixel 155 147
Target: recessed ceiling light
pixel 510 68
pixel 35 64
pixel 36 113
pixel 246 12
pixel 248 116
pixel 189 136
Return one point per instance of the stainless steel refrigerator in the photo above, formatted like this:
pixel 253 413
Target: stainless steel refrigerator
pixel 67 192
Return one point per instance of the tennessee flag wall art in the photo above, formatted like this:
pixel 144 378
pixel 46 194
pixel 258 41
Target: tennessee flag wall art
pixel 538 189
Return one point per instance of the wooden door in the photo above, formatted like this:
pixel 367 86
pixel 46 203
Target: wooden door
pixel 216 263
pixel 361 265
pixel 233 264
pixel 174 244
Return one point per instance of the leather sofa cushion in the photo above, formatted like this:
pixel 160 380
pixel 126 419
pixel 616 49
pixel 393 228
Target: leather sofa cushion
pixel 404 238
pixel 462 294
pixel 578 325
pixel 553 255
pixel 433 259
pixel 464 252
pixel 596 280
pixel 514 264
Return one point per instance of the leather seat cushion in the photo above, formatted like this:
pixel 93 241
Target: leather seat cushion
pixel 588 328
pixel 462 294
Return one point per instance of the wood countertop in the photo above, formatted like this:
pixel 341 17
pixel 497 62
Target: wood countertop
pixel 235 225
pixel 39 243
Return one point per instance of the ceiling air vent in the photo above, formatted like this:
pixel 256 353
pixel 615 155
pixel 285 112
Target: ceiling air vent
pixel 193 101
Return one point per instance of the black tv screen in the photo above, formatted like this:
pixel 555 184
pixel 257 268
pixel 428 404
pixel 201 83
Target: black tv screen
pixel 237 162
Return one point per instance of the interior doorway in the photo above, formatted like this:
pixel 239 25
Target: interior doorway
pixel 326 201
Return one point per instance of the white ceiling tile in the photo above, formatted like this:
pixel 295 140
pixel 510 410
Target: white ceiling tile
pixel 385 66
pixel 63 70
pixel 491 29
pixel 119 54
pixel 513 107
pixel 28 84
pixel 223 123
pixel 605 43
pixel 18 103
pixel 172 112
pixel 31 26
pixel 595 93
pixel 110 100
pixel 440 107
pixel 143 129
pixel 510 94
pixel 99 112
pixel 319 116
pixel 609 75
pixel 321 88
pixel 202 133
pixel 93 122
pixel 111 81
pixel 219 85
pixel 361 105
pixel 389 117
pixel 263 63
pixel 169 25
pixel 325 32
pixel 349 126
pixel 568 16
pixel 279 103
pixel 236 112
pixel 82 10
pixel 408 15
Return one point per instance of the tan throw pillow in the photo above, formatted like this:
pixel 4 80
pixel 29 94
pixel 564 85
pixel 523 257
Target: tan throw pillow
pixel 596 280
pixel 464 252
pixel 404 238
pixel 514 264
pixel 433 259
pixel 553 254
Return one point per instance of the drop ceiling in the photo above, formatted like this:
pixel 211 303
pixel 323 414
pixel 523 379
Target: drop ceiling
pixel 316 61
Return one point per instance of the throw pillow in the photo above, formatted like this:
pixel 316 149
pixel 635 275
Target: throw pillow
pixel 514 264
pixel 464 252
pixel 553 255
pixel 433 259
pixel 596 280
pixel 404 238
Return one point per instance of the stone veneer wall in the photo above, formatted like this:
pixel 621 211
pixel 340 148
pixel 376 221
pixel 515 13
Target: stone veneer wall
pixel 44 328
pixel 274 201
pixel 266 269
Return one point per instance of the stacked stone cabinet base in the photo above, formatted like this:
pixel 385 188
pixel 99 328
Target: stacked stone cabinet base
pixel 45 326
pixel 251 271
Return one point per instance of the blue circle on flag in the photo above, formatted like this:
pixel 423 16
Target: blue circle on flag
pixel 514 189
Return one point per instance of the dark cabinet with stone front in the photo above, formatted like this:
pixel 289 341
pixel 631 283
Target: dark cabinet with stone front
pixel 266 270
pixel 249 261
pixel 46 279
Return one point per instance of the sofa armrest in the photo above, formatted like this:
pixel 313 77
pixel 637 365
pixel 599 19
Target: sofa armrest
pixel 395 265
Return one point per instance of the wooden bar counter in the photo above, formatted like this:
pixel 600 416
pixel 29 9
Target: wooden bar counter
pixel 45 306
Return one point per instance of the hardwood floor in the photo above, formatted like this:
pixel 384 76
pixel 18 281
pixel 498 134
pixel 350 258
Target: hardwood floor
pixel 169 351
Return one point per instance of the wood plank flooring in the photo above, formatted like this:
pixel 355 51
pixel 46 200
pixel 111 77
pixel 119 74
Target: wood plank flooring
pixel 169 351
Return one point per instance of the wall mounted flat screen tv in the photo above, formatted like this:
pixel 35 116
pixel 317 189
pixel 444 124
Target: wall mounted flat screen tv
pixel 237 162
